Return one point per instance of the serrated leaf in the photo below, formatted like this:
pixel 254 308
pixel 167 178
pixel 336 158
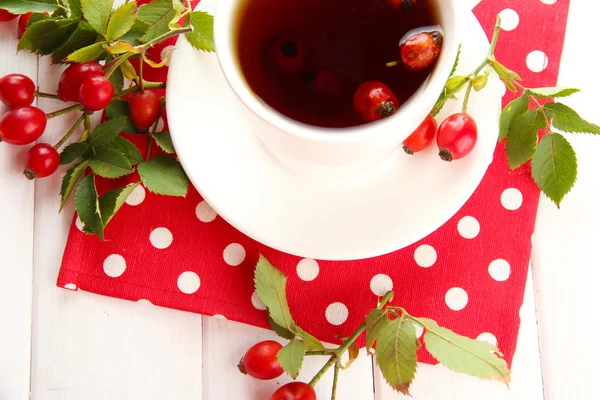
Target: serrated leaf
pixel 97 13
pixel 88 53
pixel 456 60
pixel 121 21
pixel 107 131
pixel 280 330
pixel 119 47
pixel 72 176
pixel 290 358
pixel 376 321
pixel 566 119
pixel 120 108
pixel 522 137
pixel 112 201
pixel 47 36
pixel 163 140
pixel 73 152
pixel 353 352
pixel 36 17
pixel 465 355
pixel 504 75
pixel 310 342
pixel 201 37
pixel 554 167
pixel 396 354
pixel 80 38
pixel 156 15
pixel 109 163
pixel 552 92
pixel 25 6
pixel 134 36
pixel 510 112
pixel 128 149
pixel 117 80
pixel 88 206
pixel 480 81
pixel 164 175
pixel 270 284
pixel 75 7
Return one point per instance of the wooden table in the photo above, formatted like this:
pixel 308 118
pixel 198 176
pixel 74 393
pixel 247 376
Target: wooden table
pixel 63 345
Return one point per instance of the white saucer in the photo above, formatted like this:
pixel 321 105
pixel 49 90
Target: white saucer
pixel 389 207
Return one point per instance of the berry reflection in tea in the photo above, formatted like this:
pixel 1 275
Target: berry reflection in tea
pixel 336 63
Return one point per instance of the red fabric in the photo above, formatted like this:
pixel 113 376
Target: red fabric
pixel 145 272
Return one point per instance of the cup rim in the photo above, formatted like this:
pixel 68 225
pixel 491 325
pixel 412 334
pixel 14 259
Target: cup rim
pixel 419 103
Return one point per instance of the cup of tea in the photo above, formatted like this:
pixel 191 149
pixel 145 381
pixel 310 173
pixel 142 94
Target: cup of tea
pixel 296 65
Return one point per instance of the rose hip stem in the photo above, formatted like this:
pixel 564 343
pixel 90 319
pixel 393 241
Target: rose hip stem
pixel 76 107
pixel 70 132
pixel 47 95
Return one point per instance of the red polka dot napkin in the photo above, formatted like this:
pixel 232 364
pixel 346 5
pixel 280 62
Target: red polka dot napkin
pixel 469 275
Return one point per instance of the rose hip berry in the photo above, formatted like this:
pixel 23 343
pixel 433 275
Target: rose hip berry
pixel 295 391
pixel 22 125
pixel 457 136
pixel 421 50
pixel 144 109
pixel 406 5
pixel 374 100
pixel 288 56
pixel 422 137
pixel 260 361
pixel 72 78
pixel 96 93
pixel 42 161
pixel 16 90
pixel 6 16
pixel 327 83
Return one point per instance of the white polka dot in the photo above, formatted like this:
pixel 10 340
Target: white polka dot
pixel 79 224
pixel 381 284
pixel 205 213
pixel 457 299
pixel 537 61
pixel 161 125
pixel 510 19
pixel 114 265
pixel 234 254
pixel 419 329
pixel 137 196
pixel 70 286
pixel 511 199
pixel 488 337
pixel 188 282
pixel 336 313
pixel 219 316
pixel 549 1
pixel 425 256
pixel 166 53
pixel 307 269
pixel 161 238
pixel 259 305
pixel 499 270
pixel 468 227
pixel 144 301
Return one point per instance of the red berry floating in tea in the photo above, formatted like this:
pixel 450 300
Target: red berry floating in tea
pixel 421 50
pixel 289 56
pixel 374 100
pixel 405 5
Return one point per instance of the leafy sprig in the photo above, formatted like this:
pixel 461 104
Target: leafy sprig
pixel 391 329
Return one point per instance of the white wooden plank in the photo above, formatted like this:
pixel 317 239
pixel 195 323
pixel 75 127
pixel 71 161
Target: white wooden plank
pixel 89 347
pixel 16 240
pixel 225 342
pixel 566 269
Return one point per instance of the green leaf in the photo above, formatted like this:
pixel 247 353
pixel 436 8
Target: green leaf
pixel 566 119
pixel 480 81
pixel 136 33
pixel 280 330
pixel 86 54
pixel 69 181
pixel 396 354
pixel 504 75
pixel 552 92
pixel 112 201
pixel 512 110
pixel 353 352
pixel 163 140
pixel 270 286
pixel 290 358
pixel 456 60
pixel 73 152
pixel 128 149
pixel 88 206
pixel 456 83
pixel 310 342
pixel 522 137
pixel 97 13
pixel 117 80
pixel 376 321
pixel 75 7
pixel 120 108
pixel 156 15
pixel 554 167
pixel 202 36
pixel 109 163
pixel 36 17
pixel 47 36
pixel 25 6
pixel 82 37
pixel 164 175
pixel 107 131
pixel 121 22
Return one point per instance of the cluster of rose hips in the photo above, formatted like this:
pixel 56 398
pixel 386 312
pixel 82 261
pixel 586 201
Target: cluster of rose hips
pixel 260 362
pixel 84 83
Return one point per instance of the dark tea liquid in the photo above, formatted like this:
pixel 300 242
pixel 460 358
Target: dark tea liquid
pixel 349 42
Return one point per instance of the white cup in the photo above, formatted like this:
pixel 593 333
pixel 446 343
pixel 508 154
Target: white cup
pixel 345 149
